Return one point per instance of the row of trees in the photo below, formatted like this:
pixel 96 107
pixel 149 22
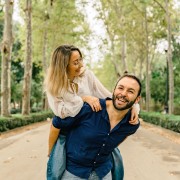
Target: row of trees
pixel 46 24
pixel 133 30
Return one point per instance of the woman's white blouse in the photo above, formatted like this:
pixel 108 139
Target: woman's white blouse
pixel 70 103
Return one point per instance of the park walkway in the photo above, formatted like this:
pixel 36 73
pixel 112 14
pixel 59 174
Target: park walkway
pixel 151 154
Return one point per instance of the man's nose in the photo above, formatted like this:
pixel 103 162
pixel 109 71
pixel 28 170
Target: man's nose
pixel 123 92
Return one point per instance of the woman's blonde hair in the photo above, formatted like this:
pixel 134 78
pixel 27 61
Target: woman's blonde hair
pixel 56 80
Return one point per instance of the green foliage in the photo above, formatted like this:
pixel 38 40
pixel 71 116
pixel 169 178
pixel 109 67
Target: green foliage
pixel 8 123
pixel 176 62
pixel 158 85
pixel 105 72
pixel 60 23
pixel 171 122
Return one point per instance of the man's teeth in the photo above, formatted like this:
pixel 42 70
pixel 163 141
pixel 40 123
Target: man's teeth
pixel 122 100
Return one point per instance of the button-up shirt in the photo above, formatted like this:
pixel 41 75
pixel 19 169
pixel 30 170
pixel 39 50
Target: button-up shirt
pixel 90 140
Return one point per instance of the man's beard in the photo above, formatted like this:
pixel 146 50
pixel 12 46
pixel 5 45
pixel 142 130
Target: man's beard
pixel 126 106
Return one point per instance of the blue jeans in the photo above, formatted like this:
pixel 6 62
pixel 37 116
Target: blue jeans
pixel 93 176
pixel 56 164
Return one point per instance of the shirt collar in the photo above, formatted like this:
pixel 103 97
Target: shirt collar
pixel 105 113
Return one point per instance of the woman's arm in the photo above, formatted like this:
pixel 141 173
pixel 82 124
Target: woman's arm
pixel 134 114
pixel 97 88
pixel 67 106
pixel 93 102
pixel 53 136
pixel 96 91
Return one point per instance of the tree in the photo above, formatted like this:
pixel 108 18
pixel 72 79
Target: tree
pixel 169 53
pixel 28 62
pixel 6 59
pixel 169 58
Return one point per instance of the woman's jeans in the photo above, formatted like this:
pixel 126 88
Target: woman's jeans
pixel 57 162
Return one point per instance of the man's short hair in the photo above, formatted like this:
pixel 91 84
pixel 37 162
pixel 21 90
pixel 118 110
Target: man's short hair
pixel 132 76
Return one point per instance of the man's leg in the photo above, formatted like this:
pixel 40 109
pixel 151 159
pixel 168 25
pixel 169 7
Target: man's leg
pixel 68 176
pixel 94 176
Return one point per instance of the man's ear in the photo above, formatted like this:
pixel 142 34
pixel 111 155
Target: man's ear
pixel 138 99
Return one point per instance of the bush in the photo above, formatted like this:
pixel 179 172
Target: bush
pixel 171 122
pixel 17 120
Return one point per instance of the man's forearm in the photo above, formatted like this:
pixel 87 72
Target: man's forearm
pixel 53 135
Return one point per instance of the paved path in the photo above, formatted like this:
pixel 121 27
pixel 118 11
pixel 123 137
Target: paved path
pixel 151 154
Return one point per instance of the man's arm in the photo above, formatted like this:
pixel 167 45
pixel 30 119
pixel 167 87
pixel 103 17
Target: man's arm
pixel 68 122
pixel 53 135
pixel 123 140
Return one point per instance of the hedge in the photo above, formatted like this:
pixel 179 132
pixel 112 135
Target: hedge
pixel 17 120
pixel 171 122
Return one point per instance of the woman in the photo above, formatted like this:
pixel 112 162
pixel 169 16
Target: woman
pixel 68 84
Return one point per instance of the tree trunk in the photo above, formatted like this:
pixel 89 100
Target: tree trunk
pixel 123 54
pixel 148 71
pixel 170 63
pixel 113 59
pixel 44 97
pixel 6 60
pixel 28 62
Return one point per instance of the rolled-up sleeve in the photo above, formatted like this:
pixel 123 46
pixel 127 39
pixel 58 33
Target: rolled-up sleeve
pixel 70 121
pixel 62 123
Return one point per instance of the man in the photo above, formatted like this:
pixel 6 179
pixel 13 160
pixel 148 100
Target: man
pixel 92 136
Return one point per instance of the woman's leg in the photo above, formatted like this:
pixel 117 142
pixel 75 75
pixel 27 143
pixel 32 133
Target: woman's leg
pixel 118 168
pixel 57 161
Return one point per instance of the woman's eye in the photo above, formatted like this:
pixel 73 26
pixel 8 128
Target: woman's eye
pixel 75 63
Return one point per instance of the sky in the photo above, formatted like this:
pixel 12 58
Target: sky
pixel 98 30
pixel 16 15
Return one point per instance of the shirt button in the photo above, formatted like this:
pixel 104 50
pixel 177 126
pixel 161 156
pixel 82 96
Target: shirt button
pixel 94 162
pixel 98 154
pixel 103 144
pixel 108 134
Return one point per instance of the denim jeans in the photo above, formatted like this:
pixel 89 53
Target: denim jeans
pixel 93 176
pixel 118 168
pixel 56 164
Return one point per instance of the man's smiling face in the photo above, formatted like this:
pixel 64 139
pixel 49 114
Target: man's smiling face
pixel 126 93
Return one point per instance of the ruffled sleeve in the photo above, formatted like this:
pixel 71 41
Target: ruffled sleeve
pixel 67 105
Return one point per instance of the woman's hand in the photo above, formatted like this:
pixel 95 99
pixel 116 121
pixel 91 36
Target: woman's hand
pixel 134 114
pixel 93 102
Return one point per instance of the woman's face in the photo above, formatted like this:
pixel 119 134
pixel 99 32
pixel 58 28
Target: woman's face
pixel 75 65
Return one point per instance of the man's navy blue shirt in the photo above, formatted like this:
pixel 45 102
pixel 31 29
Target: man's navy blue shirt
pixel 90 142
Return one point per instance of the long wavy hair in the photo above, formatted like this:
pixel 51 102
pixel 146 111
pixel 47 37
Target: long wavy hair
pixel 56 80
